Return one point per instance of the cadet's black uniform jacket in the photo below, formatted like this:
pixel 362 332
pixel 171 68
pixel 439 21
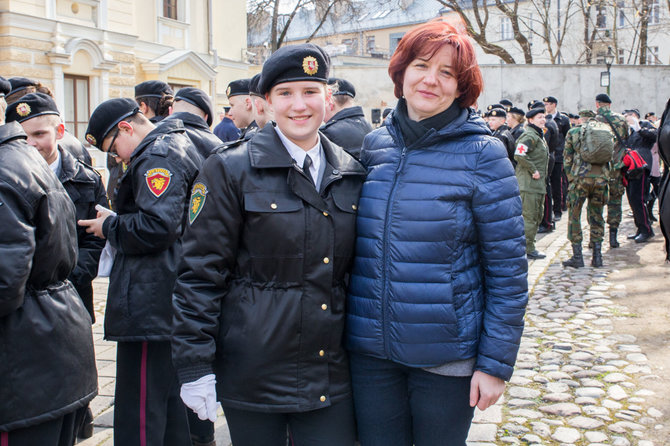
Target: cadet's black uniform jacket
pixel 504 135
pixel 347 128
pixel 152 201
pixel 84 186
pixel 71 144
pixel 47 363
pixel 261 291
pixel 197 131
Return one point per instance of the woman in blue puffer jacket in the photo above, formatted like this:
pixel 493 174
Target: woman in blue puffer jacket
pixel 439 285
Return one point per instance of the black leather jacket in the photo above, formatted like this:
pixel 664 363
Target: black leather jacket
pixel 198 132
pixel 261 291
pixel 152 204
pixel 347 128
pixel 504 135
pixel 47 363
pixel 84 186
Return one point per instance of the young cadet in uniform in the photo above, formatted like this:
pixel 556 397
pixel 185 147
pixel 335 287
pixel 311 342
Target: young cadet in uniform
pixel 261 111
pixel 345 124
pixel 259 303
pixel 152 202
pixel 497 118
pixel 585 181
pixel 226 130
pixel 47 371
pixel 616 188
pixel 194 108
pixel 241 110
pixel 532 157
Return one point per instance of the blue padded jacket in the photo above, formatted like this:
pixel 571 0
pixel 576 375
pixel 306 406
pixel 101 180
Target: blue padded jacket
pixel 440 272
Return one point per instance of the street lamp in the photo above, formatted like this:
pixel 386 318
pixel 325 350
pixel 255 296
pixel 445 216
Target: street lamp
pixel 605 76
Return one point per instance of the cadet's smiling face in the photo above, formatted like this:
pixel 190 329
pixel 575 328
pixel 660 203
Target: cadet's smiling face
pixel 299 108
pixel 43 134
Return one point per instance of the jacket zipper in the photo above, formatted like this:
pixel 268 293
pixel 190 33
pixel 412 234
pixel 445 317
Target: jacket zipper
pixel 385 322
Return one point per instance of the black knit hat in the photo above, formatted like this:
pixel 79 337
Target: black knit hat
pixel 106 116
pixel 197 97
pixel 292 63
pixel 344 87
pixel 604 98
pixel 238 87
pixel 5 87
pixel 31 106
pixel 152 89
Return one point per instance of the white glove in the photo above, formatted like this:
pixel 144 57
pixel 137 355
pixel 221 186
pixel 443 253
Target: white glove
pixel 200 396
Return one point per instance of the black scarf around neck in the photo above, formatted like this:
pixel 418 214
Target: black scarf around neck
pixel 537 129
pixel 412 131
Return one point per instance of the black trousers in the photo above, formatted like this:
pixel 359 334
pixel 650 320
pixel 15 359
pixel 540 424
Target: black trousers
pixel 636 191
pixel 59 432
pixel 556 179
pixel 148 410
pixel 547 214
pixel 330 426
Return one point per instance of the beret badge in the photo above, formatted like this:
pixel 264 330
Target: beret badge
pixel 23 109
pixel 228 91
pixel 310 65
pixel 91 139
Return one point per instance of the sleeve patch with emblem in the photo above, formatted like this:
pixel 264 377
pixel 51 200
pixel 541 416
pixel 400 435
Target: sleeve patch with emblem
pixel 198 197
pixel 521 149
pixel 158 180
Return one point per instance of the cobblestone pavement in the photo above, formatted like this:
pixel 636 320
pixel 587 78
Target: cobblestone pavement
pixel 576 382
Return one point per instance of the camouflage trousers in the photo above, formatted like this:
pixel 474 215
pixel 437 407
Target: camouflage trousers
pixel 616 191
pixel 578 192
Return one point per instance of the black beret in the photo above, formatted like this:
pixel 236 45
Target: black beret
pixel 551 99
pixel 517 111
pixel 197 97
pixel 344 87
pixel 106 116
pixel 486 114
pixel 534 111
pixel 498 112
pixel 633 110
pixel 152 89
pixel 21 83
pixel 5 87
pixel 31 106
pixel 604 98
pixel 535 104
pixel 291 63
pixel 498 106
pixel 646 115
pixel 506 102
pixel 573 116
pixel 238 87
pixel 253 85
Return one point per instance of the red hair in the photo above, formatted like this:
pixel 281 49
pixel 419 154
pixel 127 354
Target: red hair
pixel 429 38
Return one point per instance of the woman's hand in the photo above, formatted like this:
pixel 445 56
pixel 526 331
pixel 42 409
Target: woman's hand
pixel 536 175
pixel 485 390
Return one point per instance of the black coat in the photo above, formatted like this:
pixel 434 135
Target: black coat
pixel 517 131
pixel 47 363
pixel 562 127
pixel 347 128
pixel 84 186
pixel 643 140
pixel 75 147
pixel 261 291
pixel 664 196
pixel 146 234
pixel 508 141
pixel 197 131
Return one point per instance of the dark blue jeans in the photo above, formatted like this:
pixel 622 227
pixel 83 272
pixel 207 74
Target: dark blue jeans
pixel 397 405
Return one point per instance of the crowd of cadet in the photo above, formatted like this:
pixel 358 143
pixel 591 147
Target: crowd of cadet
pixel 235 250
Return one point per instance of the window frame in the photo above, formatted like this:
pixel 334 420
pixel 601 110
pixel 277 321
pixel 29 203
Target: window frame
pixel 75 124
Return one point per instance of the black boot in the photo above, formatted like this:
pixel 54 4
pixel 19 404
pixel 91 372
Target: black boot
pixel 577 260
pixel 597 258
pixel 650 211
pixel 613 242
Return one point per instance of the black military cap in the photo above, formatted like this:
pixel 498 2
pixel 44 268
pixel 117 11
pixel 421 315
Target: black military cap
pixel 486 114
pixel 498 112
pixel 498 106
pixel 344 87
pixel 21 83
pixel 516 110
pixel 648 115
pixel 573 116
pixel 604 98
pixel 197 97
pixel 5 87
pixel 551 99
pixel 238 87
pixel 253 85
pixel 106 116
pixel 31 106
pixel 534 111
pixel 535 104
pixel 506 103
pixel 291 63
pixel 633 110
pixel 152 89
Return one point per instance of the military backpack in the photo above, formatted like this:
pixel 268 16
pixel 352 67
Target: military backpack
pixel 597 142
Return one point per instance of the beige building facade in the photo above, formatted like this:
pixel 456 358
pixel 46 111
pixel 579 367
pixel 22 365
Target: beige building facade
pixel 87 51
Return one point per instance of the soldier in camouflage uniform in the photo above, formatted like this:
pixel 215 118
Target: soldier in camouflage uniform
pixel 586 181
pixel 532 157
pixel 616 187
